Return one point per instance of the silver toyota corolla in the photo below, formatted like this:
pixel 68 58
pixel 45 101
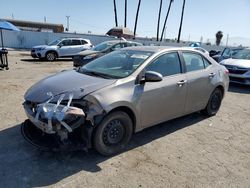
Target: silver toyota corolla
pixel 103 103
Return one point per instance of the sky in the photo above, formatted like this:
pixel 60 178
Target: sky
pixel 202 18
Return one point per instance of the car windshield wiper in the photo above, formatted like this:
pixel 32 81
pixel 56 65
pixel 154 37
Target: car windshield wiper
pixel 94 73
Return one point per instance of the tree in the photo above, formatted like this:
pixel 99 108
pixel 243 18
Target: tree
pixel 218 36
pixel 125 17
pixel 159 18
pixel 116 22
pixel 136 18
pixel 166 18
pixel 183 8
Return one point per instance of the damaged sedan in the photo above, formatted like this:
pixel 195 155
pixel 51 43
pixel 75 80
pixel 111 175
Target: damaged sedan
pixel 101 104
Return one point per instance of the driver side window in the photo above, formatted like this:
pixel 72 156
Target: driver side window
pixel 167 64
pixel 66 43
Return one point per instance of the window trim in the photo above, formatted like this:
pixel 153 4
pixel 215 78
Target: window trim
pixel 164 53
pixel 196 53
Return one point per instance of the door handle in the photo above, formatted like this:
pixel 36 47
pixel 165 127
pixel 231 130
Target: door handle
pixel 181 83
pixel 211 75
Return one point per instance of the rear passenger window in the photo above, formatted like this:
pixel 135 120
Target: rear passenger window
pixel 193 61
pixel 83 42
pixel 206 63
pixel 167 64
pixel 76 42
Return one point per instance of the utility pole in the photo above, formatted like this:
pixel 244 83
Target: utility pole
pixel 68 22
pixel 125 20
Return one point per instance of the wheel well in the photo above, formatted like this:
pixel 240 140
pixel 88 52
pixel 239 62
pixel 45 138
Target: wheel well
pixel 53 52
pixel 128 111
pixel 220 87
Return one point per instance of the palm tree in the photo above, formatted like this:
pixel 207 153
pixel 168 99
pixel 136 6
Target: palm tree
pixel 166 18
pixel 125 19
pixel 136 18
pixel 218 36
pixel 116 22
pixel 183 8
pixel 159 18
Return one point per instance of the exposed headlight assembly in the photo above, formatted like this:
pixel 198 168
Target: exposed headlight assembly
pixel 89 57
pixel 39 49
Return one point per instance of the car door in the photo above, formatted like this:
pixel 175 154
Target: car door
pixel 200 75
pixel 76 46
pixel 164 100
pixel 64 48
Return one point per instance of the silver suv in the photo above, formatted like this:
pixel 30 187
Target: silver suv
pixel 66 47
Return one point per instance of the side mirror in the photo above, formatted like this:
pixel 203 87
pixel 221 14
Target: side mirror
pixel 59 45
pixel 151 76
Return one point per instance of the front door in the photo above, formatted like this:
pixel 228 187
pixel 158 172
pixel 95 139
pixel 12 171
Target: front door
pixel 164 100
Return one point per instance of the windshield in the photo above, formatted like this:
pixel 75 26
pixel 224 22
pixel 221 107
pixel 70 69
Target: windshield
pixel 118 64
pixel 242 54
pixel 103 46
pixel 55 42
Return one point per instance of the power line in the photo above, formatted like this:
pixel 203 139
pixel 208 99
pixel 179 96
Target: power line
pixel 67 22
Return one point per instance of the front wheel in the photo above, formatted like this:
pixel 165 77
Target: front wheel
pixel 51 56
pixel 113 134
pixel 214 103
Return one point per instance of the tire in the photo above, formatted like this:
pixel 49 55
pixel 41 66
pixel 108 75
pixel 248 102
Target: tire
pixel 51 56
pixel 214 103
pixel 113 133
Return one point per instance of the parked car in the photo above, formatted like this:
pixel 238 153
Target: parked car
pixel 66 47
pixel 100 50
pixel 126 91
pixel 239 66
pixel 226 53
pixel 199 49
pixel 215 53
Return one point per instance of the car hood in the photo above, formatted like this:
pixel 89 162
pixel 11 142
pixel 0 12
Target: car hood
pixel 88 52
pixel 243 63
pixel 65 82
pixel 40 46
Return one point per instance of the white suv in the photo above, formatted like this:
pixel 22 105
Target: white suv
pixel 67 47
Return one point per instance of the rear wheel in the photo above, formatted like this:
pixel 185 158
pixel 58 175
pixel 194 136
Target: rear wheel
pixel 51 56
pixel 214 103
pixel 113 134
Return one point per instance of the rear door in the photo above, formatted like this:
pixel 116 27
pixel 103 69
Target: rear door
pixel 76 47
pixel 164 100
pixel 200 76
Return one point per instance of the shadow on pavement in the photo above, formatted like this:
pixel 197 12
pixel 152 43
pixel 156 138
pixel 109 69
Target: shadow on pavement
pixel 40 60
pixel 238 88
pixel 22 165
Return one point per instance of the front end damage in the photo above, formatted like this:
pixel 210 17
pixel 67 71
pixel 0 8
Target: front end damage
pixel 61 124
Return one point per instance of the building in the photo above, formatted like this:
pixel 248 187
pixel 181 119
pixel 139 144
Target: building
pixel 36 26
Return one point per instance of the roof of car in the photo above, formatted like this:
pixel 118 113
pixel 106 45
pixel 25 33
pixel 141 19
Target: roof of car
pixel 119 41
pixel 71 38
pixel 151 48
